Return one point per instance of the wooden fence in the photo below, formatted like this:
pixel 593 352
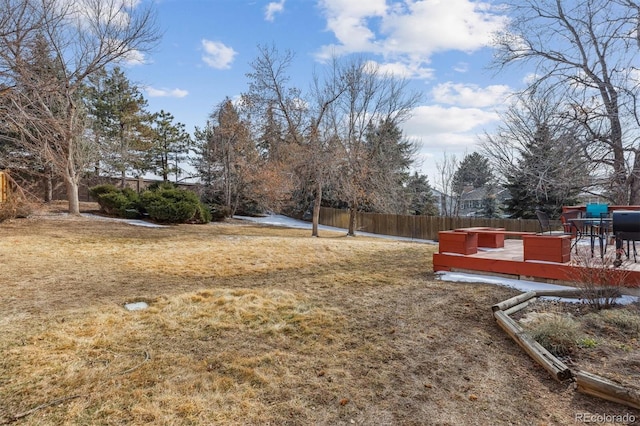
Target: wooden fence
pixel 419 227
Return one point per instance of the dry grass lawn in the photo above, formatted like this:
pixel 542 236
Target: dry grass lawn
pixel 253 325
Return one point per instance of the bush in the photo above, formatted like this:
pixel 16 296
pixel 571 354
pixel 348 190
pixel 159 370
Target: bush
pixel 219 212
pixel 166 203
pixel 203 214
pixel 598 281
pixel 116 202
pixel 14 206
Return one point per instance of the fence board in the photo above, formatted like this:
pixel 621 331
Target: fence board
pixel 419 227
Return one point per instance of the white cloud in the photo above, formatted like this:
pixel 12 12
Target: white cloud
pixel 348 21
pixel 133 58
pixel 217 55
pixel 404 70
pixel 273 8
pixel 165 93
pixel 439 130
pixel 411 31
pixel 461 67
pixel 434 120
pixel 85 12
pixel 470 95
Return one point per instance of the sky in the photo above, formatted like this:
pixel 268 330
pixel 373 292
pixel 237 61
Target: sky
pixel 442 47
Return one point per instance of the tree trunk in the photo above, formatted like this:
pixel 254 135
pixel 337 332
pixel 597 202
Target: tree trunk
pixel 48 184
pixel 72 195
pixel 72 182
pixel 352 219
pixel 634 181
pixel 316 210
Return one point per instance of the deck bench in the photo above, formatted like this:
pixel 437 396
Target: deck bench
pixel 458 242
pixel 465 241
pixel 548 248
pixel 492 237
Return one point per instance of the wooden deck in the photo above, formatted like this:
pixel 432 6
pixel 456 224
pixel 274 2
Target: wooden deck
pixel 512 259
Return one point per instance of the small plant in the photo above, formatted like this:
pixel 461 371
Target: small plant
pixel 16 203
pixel 599 280
pixel 587 342
pixel 556 333
pixel 14 206
pixel 219 212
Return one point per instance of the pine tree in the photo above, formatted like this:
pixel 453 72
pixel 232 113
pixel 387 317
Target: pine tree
pixel 544 177
pixel 421 200
pixel 171 145
pixel 225 156
pixel 474 170
pixel 121 124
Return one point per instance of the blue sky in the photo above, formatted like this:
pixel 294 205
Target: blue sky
pixel 441 46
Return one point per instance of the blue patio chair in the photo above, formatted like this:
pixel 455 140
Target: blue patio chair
pixel 597 210
pixel 600 227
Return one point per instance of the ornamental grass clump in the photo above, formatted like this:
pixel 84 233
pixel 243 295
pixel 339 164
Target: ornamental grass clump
pixel 556 333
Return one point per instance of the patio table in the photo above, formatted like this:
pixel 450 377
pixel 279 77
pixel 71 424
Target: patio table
pixel 593 228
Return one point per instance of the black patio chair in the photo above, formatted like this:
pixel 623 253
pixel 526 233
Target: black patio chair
pixel 545 224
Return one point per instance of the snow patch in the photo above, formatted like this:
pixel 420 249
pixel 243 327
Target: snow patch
pixel 136 306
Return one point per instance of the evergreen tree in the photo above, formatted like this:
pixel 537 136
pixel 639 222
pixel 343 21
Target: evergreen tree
pixel 474 170
pixel 544 177
pixel 225 157
pixel 490 207
pixel 170 146
pixel 121 124
pixel 389 156
pixel 421 200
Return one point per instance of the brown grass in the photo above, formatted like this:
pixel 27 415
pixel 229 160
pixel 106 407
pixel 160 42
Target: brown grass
pixel 252 325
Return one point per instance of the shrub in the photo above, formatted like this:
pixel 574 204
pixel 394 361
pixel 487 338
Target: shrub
pixel 166 203
pixel 203 214
pixel 219 212
pixel 598 281
pixel 116 202
pixel 14 206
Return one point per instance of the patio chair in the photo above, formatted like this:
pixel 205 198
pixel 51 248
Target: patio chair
pixel 596 210
pixel 601 228
pixel 574 228
pixel 545 225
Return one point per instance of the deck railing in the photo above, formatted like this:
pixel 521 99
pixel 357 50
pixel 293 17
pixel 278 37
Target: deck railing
pixel 419 227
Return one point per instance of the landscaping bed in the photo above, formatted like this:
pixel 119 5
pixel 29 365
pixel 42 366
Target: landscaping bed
pixel 606 342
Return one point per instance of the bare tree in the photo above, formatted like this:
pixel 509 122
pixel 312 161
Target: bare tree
pixel 588 50
pixel 271 94
pixel 372 99
pixel 82 37
pixel 445 183
pixel 569 166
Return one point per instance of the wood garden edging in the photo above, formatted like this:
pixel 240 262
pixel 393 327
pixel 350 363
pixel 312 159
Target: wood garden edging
pixel 586 382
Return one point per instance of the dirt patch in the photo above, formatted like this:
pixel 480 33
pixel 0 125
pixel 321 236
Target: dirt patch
pixel 252 324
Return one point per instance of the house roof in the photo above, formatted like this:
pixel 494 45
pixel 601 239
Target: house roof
pixel 481 193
